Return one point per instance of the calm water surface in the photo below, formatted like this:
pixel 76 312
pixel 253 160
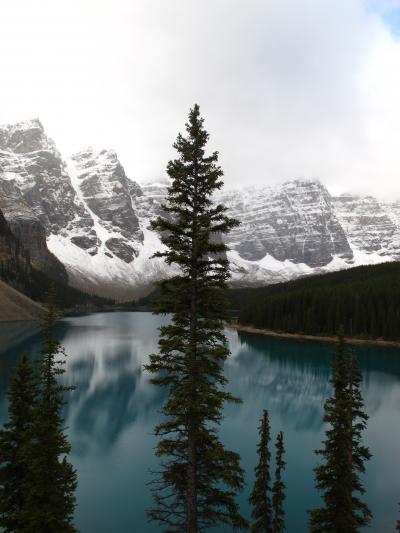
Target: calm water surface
pixel 114 409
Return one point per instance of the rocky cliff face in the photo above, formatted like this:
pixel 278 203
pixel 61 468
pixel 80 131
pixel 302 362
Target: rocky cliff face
pixel 367 224
pixel 27 158
pixel 31 161
pixel 112 259
pixel 15 264
pixel 294 222
pixel 108 194
pixel 96 221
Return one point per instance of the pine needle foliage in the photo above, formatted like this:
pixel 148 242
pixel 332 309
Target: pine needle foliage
pixel 278 488
pixel 343 453
pixel 260 498
pixel 195 488
pixel 51 498
pixel 15 440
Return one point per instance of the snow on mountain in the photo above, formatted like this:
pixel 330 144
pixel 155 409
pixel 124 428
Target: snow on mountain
pixel 32 184
pixel 32 163
pixel 367 224
pixel 294 222
pixel 116 259
pixel 96 220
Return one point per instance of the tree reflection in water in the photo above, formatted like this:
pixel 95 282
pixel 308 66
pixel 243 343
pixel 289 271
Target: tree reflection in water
pixel 114 408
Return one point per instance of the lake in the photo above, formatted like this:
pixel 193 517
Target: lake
pixel 112 412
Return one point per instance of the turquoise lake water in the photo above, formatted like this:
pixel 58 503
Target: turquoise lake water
pixel 114 408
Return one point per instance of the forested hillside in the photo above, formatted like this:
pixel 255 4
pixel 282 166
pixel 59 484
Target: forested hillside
pixel 365 300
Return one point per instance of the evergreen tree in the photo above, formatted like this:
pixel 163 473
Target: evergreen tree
pixel 51 499
pixel 278 488
pixel 359 452
pixel 198 479
pixel 338 477
pixel 260 498
pixel 15 439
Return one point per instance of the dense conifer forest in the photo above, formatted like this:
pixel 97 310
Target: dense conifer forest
pixel 39 282
pixel 364 300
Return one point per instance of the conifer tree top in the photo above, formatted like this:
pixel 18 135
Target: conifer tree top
pixel 196 485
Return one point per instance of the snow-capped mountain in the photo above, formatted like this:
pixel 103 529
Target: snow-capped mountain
pixel 32 183
pixel 294 222
pixel 114 258
pixel 85 215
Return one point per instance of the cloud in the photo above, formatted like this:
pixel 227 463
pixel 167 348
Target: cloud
pixel 383 5
pixel 305 88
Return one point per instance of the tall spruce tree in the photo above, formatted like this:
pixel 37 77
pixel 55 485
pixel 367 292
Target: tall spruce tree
pixel 344 455
pixel 15 440
pixel 360 453
pixel 50 492
pixel 260 498
pixel 278 488
pixel 198 479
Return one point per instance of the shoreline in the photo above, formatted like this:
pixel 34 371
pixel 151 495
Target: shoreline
pixel 313 338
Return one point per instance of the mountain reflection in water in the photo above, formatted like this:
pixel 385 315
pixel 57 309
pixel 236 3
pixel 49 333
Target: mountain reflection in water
pixel 112 413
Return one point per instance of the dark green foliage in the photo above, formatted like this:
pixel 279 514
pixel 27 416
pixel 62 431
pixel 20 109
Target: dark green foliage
pixel 36 284
pixel 15 439
pixel 51 500
pixel 343 454
pixel 278 488
pixel 365 300
pixel 267 502
pixel 37 483
pixel 198 478
pixel 67 297
pixel 260 498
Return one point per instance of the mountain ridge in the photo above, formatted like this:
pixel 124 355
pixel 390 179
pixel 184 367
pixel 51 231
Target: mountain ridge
pixel 96 220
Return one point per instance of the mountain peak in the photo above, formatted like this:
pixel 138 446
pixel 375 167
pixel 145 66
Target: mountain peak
pixel 303 182
pixel 24 137
pixel 31 123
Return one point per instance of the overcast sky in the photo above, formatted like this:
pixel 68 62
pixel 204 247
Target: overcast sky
pixel 288 88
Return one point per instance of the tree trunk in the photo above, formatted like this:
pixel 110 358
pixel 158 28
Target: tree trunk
pixel 192 459
pixel 191 487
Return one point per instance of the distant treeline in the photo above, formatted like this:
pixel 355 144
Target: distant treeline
pixel 38 284
pixel 364 300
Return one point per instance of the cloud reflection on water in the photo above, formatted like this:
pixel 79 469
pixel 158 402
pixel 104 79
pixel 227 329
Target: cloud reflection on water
pixel 112 413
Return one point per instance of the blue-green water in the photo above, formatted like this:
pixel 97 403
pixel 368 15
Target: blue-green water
pixel 114 409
